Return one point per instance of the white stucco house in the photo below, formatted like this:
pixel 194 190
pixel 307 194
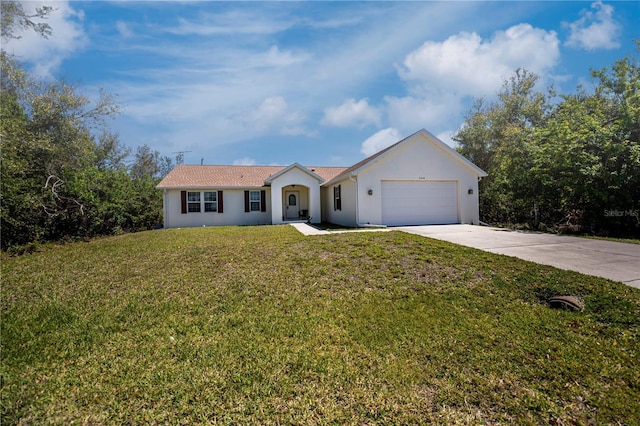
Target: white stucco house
pixel 418 180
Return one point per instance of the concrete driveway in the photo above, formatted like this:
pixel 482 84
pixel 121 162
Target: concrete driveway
pixel 607 259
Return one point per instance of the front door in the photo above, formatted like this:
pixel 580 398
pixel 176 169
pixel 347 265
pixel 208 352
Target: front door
pixel 292 206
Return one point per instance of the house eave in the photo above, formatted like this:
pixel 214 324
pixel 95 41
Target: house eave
pixel 199 187
pixel 284 171
pixel 341 178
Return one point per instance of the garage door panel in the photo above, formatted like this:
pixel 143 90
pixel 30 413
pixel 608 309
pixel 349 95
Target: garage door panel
pixel 419 202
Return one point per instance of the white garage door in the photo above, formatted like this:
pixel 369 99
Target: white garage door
pixel 419 202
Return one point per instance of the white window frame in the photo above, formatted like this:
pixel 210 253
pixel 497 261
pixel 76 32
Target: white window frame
pixel 213 202
pixel 193 203
pixel 255 205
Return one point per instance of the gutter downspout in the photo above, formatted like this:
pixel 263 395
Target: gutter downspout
pixel 351 178
pixel 480 223
pixel 165 218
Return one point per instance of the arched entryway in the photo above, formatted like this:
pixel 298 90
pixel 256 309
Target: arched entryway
pixel 295 202
pixel 295 195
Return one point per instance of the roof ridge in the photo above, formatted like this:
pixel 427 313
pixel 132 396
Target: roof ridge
pixel 259 165
pixel 234 175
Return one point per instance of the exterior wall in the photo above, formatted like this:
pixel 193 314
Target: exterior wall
pixel 418 160
pixel 233 210
pixel 346 216
pixel 297 177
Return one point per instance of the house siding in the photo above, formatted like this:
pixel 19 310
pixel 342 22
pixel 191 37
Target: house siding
pixel 233 212
pixel 346 216
pixel 418 160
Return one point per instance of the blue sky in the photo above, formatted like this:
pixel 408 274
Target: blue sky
pixel 319 83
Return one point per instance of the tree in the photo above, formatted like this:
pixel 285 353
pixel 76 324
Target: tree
pixel 48 143
pixel 146 171
pixel 497 137
pixel 14 17
pixel 589 157
pixel 573 166
pixel 63 173
pixel 149 163
pixel 20 207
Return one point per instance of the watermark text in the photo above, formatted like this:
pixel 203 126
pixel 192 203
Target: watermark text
pixel 622 213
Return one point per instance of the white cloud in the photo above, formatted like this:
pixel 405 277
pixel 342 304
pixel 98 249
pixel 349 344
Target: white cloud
pixel 352 113
pixel 245 161
pixel 124 30
pixel 215 83
pixel 250 22
pixel 465 64
pixel 595 30
pixel 380 140
pixel 46 55
pixel 230 22
pixel 333 23
pixel 442 76
pixel 274 57
pixel 274 114
pixel 412 113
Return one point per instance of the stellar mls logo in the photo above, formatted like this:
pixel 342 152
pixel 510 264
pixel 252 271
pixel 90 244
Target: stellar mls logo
pixel 622 213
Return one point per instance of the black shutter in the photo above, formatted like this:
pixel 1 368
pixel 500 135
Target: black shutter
pixel 335 206
pixel 339 197
pixel 263 201
pixel 246 202
pixel 220 205
pixel 183 201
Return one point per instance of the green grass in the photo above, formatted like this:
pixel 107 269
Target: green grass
pixel 260 325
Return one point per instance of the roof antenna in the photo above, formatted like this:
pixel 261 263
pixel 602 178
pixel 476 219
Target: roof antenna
pixel 202 161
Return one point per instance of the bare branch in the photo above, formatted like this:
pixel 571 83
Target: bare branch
pixel 52 184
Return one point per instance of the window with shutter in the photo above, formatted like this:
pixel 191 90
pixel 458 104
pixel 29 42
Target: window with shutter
pixel 193 202
pixel 337 198
pixel 254 198
pixel 210 201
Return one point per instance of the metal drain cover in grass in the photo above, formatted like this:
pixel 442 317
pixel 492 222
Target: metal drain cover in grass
pixel 566 302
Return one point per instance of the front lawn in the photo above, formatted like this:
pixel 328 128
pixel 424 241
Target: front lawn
pixel 261 325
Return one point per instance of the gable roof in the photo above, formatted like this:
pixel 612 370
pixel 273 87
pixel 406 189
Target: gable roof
pixel 311 173
pixel 382 153
pixel 201 176
pixel 220 176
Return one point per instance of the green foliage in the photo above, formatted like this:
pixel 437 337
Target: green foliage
pixel 569 166
pixel 63 174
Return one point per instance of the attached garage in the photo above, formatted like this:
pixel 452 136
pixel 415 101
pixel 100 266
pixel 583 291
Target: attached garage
pixel 419 180
pixel 421 202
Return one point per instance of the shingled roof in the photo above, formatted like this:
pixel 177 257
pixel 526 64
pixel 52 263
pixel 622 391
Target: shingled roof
pixel 205 176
